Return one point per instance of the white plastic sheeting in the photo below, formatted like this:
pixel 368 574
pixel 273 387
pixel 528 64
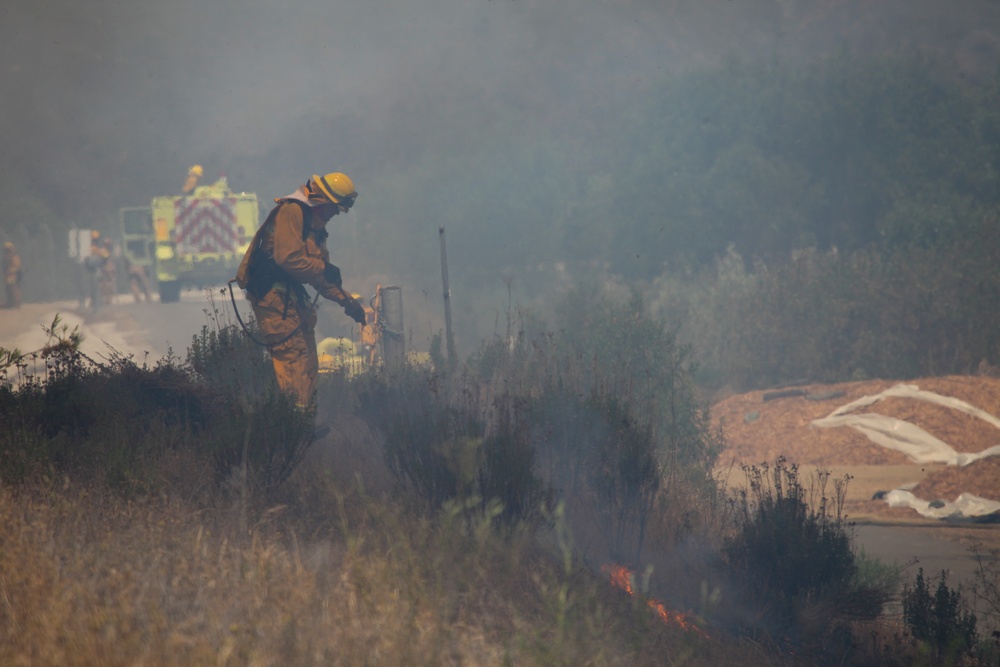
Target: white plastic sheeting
pixel 919 445
pixel 902 436
pixel 966 505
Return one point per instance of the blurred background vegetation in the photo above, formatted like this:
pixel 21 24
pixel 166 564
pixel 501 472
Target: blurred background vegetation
pixel 825 220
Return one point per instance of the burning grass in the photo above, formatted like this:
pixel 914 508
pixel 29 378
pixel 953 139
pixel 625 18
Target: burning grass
pixel 88 578
pixel 191 570
pixel 624 578
pixel 445 522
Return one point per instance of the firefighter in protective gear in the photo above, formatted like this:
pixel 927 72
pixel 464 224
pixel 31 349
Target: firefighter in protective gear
pixel 138 281
pixel 108 276
pixel 94 263
pixel 288 252
pixel 194 173
pixel 12 275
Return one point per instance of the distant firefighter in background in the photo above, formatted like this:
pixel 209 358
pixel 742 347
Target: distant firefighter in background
pixel 12 273
pixel 194 173
pixel 93 262
pixel 107 278
pixel 138 281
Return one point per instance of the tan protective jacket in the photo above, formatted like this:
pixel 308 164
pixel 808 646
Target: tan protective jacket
pixel 11 267
pixel 302 255
pixel 303 259
pixel 297 241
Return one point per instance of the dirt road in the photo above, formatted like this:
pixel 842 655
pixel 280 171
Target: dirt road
pixel 116 328
pixel 147 331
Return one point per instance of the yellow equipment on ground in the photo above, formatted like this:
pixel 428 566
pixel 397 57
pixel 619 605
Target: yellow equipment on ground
pixel 339 354
pixel 365 351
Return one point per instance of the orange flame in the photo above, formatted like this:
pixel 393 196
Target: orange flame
pixel 622 578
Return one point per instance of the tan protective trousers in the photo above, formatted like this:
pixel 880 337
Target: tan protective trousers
pixel 295 360
pixel 13 295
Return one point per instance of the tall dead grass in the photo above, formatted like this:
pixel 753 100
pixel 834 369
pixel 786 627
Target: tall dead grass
pixel 92 578
pixel 87 579
pixel 343 562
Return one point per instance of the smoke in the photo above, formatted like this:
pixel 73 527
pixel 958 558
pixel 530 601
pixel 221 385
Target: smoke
pixel 106 104
pixel 115 100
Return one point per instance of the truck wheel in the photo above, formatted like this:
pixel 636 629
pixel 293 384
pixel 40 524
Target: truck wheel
pixel 170 291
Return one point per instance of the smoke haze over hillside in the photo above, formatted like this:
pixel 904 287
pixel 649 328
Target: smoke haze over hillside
pixel 115 100
pixel 106 104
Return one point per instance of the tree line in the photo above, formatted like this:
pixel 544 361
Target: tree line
pixel 885 166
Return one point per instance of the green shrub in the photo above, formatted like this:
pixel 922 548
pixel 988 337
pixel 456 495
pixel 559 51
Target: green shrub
pixel 420 429
pixel 116 420
pixel 264 440
pixel 625 475
pixel 939 619
pixel 113 420
pixel 901 312
pixel 591 415
pixel 258 430
pixel 611 346
pixel 226 357
pixel 793 565
pixel 509 474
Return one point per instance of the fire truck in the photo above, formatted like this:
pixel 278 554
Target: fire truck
pixel 191 241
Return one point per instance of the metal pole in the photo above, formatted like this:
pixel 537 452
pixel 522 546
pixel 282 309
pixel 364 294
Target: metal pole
pixel 393 342
pixel 449 337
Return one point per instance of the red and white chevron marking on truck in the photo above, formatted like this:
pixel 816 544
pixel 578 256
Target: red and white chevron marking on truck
pixel 191 241
pixel 206 225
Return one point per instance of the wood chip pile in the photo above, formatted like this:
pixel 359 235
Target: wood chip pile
pixel 760 426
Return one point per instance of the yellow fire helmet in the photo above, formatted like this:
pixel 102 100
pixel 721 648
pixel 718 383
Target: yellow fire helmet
pixel 8 245
pixel 337 187
pixel 94 234
pixel 196 170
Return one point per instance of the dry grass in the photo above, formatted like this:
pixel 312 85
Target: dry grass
pixel 91 578
pixel 329 573
pixel 327 570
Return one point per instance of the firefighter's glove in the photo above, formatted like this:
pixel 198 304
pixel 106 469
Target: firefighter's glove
pixel 355 311
pixel 331 274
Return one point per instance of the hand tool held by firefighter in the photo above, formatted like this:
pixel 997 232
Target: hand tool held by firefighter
pixel 331 274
